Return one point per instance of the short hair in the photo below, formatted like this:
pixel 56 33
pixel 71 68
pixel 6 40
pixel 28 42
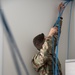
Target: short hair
pixel 38 41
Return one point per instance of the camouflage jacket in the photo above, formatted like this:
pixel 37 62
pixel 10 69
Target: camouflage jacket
pixel 43 60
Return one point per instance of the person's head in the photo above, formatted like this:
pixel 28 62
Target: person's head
pixel 38 41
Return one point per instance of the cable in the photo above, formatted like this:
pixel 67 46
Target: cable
pixel 13 42
pixel 68 49
pixel 57 24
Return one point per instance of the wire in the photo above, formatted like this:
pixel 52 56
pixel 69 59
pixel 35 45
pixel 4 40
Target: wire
pixel 5 25
pixel 57 24
pixel 68 49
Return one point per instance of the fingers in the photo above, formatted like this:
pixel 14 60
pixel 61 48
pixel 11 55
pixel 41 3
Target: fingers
pixel 61 6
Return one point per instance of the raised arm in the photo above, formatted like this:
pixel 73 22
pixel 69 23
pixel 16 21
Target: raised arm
pixel 54 29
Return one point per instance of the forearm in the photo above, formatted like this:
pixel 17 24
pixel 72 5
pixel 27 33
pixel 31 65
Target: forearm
pixel 57 35
pixel 59 26
pixel 59 23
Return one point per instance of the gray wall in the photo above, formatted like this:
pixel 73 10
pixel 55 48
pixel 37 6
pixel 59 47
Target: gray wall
pixel 27 18
pixel 1 46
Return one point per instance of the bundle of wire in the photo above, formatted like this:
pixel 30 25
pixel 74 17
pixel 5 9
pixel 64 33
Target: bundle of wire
pixel 57 23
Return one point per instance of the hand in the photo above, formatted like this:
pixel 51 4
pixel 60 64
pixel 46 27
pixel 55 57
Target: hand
pixel 53 31
pixel 61 6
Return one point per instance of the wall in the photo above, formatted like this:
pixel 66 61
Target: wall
pixel 1 46
pixel 27 18
pixel 72 36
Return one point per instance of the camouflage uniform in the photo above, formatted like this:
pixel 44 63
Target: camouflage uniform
pixel 43 60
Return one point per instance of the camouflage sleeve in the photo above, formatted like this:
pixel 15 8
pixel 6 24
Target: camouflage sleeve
pixel 38 61
pixel 42 57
